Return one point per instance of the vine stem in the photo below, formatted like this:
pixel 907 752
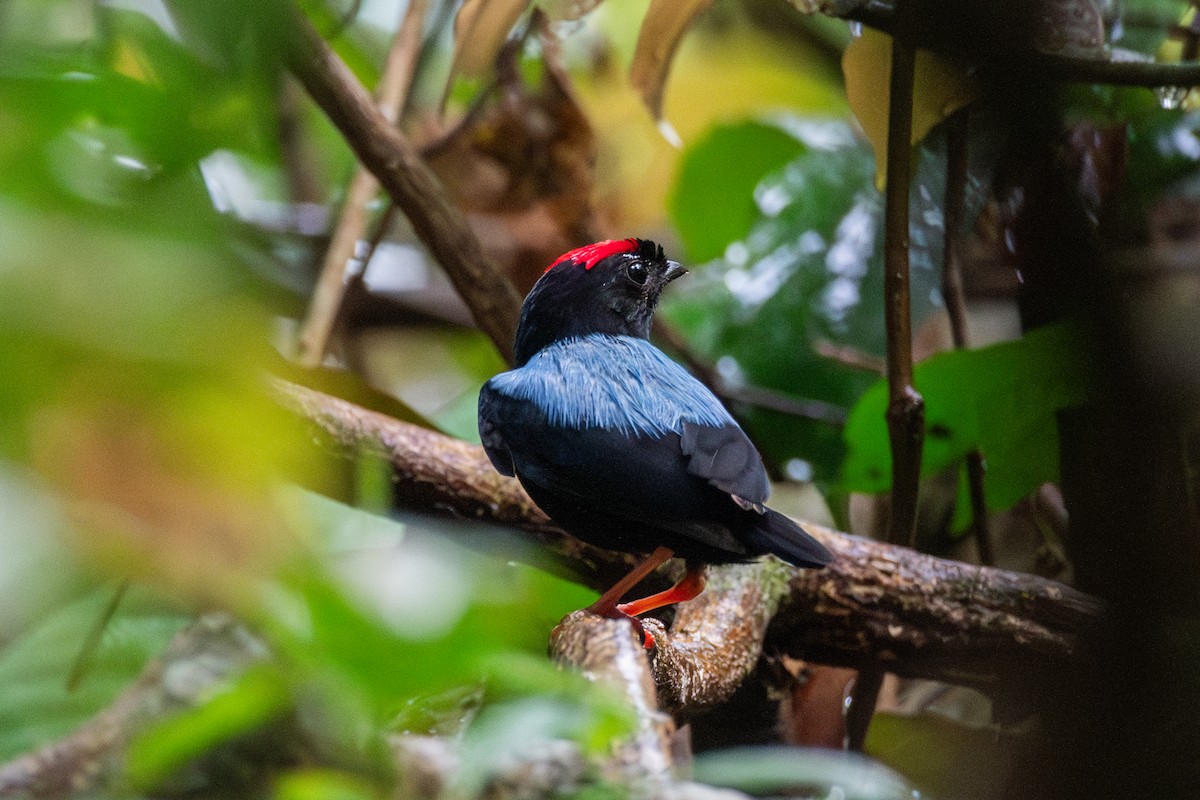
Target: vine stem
pixel 906 407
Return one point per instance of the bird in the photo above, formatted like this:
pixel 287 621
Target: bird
pixel 621 446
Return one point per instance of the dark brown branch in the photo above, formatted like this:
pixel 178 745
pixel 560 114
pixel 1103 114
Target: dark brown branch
pixel 957 163
pixel 925 617
pixel 906 408
pixel 1067 69
pixel 493 301
pixel 877 604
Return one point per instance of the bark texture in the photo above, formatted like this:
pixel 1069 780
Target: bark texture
pixel 876 605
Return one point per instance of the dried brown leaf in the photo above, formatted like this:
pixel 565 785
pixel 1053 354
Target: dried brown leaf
pixel 480 30
pixel 662 30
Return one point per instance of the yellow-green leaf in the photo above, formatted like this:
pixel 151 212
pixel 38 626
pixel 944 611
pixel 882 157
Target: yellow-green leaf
pixel 941 86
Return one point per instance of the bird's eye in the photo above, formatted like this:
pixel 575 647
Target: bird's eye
pixel 637 273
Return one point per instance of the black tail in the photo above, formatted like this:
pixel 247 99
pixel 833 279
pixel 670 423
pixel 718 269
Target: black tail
pixel 777 534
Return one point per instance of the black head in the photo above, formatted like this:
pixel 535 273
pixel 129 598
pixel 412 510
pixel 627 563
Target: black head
pixel 607 287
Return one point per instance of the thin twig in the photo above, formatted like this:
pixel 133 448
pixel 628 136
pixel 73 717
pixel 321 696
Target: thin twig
pixel 91 642
pixel 906 408
pixel 957 162
pixel 330 290
pixel 850 356
pixel 863 696
pixel 489 295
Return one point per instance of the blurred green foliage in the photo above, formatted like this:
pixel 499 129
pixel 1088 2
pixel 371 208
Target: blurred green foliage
pixel 134 344
pixel 807 271
pixel 35 705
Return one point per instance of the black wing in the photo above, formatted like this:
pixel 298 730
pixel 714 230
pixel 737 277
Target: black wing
pixel 726 459
pixel 489 432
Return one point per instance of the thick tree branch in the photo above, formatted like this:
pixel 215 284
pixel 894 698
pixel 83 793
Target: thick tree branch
pixel 1058 67
pixel 493 301
pixel 877 604
pixel 607 651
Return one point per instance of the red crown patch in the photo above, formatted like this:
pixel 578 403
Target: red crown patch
pixel 592 254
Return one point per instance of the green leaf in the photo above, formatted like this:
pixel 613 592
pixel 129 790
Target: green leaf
pixel 322 784
pixel 712 203
pixel 1001 399
pixel 408 611
pixel 809 271
pixel 35 706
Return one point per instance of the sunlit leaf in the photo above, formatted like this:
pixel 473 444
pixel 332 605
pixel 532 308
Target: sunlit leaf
pixel 322 784
pixel 1001 399
pixel 663 27
pixel 941 86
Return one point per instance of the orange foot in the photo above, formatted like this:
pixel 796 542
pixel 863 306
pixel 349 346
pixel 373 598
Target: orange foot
pixel 615 612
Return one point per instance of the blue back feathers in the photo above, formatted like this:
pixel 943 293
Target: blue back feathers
pixel 616 382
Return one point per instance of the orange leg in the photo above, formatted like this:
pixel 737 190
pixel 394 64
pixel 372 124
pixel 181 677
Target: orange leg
pixel 691 585
pixel 607 606
pixel 607 603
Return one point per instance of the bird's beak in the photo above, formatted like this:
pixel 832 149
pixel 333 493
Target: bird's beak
pixel 674 270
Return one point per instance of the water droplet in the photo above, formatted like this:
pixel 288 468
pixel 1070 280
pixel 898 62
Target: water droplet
pixel 797 469
pixel 730 371
pixel 670 134
pixel 737 254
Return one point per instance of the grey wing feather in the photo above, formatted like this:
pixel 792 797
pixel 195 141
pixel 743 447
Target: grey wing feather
pixel 489 433
pixel 725 458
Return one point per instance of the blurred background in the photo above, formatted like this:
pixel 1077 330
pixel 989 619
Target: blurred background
pixel 180 224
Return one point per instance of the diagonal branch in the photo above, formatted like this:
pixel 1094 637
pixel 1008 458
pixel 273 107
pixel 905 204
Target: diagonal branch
pixel 877 605
pixel 383 150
